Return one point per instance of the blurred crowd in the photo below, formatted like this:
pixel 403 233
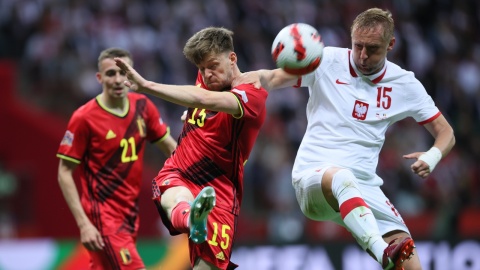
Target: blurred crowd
pixel 57 42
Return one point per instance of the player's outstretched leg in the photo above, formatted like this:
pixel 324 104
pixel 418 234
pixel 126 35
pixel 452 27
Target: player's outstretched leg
pixel 199 210
pixel 397 252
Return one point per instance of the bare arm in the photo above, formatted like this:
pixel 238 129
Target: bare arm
pixel 443 134
pixel 268 79
pixel 185 95
pixel 89 234
pixel 444 141
pixel 167 145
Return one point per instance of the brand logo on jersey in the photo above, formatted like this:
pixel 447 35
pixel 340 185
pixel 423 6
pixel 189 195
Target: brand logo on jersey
pixel 364 214
pixel 67 138
pixel 242 94
pixel 340 82
pixel 110 135
pixel 142 128
pixel 126 257
pixel 360 110
pixel 220 256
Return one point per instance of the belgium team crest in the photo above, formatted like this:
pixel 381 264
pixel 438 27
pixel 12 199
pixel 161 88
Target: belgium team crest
pixel 126 257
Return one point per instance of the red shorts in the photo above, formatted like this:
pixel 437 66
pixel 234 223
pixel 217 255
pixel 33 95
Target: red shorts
pixel 119 252
pixel 221 226
pixel 217 250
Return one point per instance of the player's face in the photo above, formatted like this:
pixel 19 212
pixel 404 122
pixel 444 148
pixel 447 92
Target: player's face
pixel 369 49
pixel 217 71
pixel 111 78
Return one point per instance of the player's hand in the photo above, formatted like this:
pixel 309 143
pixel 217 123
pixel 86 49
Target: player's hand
pixel 135 80
pixel 184 116
pixel 248 78
pixel 91 238
pixel 419 167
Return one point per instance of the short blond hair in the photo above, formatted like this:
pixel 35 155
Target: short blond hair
pixel 370 18
pixel 208 41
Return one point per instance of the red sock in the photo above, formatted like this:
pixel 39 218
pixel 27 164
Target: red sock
pixel 179 219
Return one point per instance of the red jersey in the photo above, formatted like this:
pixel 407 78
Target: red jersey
pixel 214 146
pixel 109 148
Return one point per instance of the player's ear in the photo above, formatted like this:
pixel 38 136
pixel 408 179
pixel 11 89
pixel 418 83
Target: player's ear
pixel 391 44
pixel 233 57
pixel 99 77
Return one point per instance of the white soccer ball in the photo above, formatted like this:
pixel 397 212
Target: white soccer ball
pixel 298 49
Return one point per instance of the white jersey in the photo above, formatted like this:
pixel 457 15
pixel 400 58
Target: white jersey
pixel 349 113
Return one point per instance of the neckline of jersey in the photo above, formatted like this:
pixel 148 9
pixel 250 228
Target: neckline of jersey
pixel 374 78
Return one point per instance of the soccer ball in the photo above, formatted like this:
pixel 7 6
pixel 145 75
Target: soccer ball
pixel 297 49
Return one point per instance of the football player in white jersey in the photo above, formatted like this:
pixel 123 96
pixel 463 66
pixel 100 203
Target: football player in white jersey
pixel 355 95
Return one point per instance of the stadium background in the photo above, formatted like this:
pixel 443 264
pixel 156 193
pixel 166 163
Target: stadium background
pixel 48 52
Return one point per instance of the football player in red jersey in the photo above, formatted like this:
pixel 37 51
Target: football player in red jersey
pixel 106 137
pixel 206 169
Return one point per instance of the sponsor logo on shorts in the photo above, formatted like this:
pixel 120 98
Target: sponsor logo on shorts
pixel 126 257
pixel 220 256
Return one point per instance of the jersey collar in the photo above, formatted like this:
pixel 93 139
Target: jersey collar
pixel 374 78
pixel 104 107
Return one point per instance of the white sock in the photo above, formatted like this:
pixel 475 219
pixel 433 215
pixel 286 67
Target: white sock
pixel 357 216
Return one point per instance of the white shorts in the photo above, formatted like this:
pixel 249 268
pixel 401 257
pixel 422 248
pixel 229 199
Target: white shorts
pixel 313 204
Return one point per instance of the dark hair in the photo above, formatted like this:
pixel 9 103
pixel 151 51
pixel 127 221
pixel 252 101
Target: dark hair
pixel 112 53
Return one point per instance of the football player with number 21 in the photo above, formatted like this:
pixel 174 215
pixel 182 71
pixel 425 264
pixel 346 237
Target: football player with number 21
pixel 334 175
pixel 105 141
